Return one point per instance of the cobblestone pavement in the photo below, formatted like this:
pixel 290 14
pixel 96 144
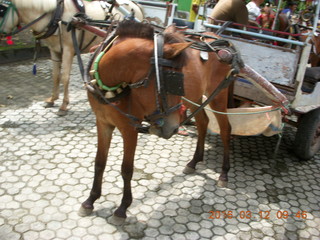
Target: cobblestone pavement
pixel 46 167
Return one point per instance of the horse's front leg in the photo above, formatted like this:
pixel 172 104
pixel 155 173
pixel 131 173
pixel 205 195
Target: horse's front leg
pixel 67 59
pixel 56 74
pixel 104 139
pixel 202 124
pixel 130 137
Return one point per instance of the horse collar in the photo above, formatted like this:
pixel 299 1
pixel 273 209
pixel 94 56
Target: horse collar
pixel 113 93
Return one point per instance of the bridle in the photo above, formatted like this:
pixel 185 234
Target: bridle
pixel 168 81
pixel 163 78
pixel 6 7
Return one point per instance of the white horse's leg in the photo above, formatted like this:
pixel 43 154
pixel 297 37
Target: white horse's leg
pixel 56 69
pixel 67 58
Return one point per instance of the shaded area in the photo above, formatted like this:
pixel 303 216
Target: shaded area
pixel 19 87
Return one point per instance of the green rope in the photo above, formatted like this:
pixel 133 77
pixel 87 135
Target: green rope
pixel 97 76
pixel 225 113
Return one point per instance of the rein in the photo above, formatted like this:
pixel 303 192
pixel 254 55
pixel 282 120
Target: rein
pixel 273 109
pixel 26 26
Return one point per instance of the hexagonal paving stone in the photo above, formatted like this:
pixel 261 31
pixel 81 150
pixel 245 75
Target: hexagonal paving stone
pixel 47 164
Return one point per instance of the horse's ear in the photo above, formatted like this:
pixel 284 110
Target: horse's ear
pixel 174 49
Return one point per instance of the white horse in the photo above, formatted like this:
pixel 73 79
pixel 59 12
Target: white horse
pixel 60 42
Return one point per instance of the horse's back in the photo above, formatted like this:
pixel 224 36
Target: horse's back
pixel 95 10
pixel 98 11
pixel 203 71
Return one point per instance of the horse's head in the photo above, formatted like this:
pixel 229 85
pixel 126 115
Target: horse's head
pixel 170 86
pixel 8 17
pixel 151 65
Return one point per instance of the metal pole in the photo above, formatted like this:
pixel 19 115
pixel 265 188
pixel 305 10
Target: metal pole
pixel 126 13
pixel 254 34
pixel 316 17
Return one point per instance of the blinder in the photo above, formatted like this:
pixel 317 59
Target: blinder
pixel 172 80
pixel 3 9
pixel 173 83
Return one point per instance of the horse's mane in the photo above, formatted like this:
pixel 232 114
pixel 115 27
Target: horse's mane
pixel 133 29
pixel 40 5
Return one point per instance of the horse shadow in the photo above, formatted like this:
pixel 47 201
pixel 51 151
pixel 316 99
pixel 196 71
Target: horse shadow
pixel 138 221
pixel 41 121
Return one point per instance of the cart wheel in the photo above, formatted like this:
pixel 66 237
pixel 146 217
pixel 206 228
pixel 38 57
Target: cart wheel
pixel 307 140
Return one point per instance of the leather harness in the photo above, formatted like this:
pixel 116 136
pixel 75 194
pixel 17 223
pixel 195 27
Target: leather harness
pixel 163 77
pixel 54 22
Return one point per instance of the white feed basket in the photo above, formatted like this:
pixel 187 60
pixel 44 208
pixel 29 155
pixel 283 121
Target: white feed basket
pixel 244 123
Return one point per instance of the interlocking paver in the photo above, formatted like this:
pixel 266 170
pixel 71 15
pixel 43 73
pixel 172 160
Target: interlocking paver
pixel 46 166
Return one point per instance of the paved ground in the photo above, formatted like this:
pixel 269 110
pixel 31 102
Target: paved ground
pixel 46 167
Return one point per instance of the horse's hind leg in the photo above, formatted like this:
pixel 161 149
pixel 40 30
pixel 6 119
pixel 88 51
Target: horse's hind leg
pixel 202 124
pixel 225 134
pixel 130 137
pixel 65 77
pixel 104 139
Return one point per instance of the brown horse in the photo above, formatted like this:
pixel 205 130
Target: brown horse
pixel 127 61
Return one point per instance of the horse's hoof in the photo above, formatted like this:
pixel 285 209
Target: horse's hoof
pixel 222 184
pixel 48 104
pixel 188 170
pixel 115 220
pixel 62 113
pixel 83 212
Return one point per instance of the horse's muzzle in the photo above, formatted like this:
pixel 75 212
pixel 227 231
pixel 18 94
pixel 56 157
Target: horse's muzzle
pixel 166 131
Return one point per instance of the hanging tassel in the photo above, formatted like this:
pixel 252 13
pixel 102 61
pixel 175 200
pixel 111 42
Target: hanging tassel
pixel 34 69
pixel 9 40
pixel 35 57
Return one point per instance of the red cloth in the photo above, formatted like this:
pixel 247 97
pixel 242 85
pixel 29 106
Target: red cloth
pixel 9 40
